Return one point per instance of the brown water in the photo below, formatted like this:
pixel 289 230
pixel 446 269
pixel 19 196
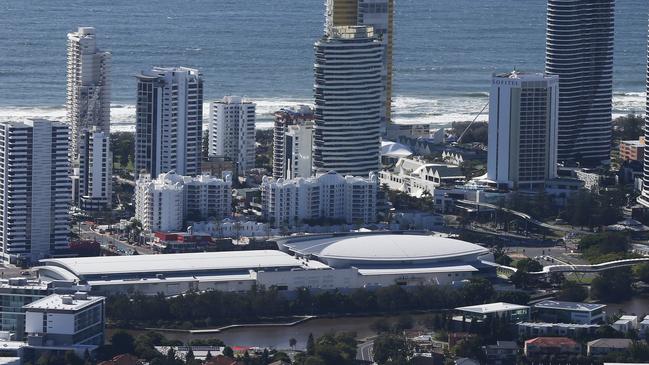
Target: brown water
pixel 278 337
pixel 637 306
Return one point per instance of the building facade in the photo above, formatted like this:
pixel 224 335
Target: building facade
pixel 165 203
pixel 169 120
pixel 35 189
pixel 95 171
pixel 581 54
pixel 232 132
pixel 88 109
pixel 644 196
pixel 348 101
pixel 293 142
pixel 378 14
pixel 70 322
pixel 632 150
pixel 286 203
pixel 523 112
pixel 418 178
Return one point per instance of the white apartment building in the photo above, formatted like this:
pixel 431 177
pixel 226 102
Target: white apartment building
pixel 88 109
pixel 94 189
pixel 165 203
pixel 349 199
pixel 523 127
pixel 169 119
pixel 293 142
pixel 416 177
pixel 35 189
pixel 88 90
pixel 232 132
pixel 66 322
pixel 349 100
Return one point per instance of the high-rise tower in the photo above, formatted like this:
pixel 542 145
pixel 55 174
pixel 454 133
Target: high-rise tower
pixel 579 48
pixel 644 197
pixel 232 131
pixel 35 189
pixel 169 120
pixel 378 14
pixel 348 101
pixel 88 109
pixel 523 130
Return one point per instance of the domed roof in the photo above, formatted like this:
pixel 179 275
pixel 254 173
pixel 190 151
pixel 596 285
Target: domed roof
pixel 398 247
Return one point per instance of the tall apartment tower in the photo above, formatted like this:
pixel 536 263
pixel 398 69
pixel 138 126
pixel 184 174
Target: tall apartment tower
pixel 378 14
pixel 232 132
pixel 293 142
pixel 94 189
pixel 579 49
pixel 88 108
pixel 523 114
pixel 644 197
pixel 169 121
pixel 348 101
pixel 35 189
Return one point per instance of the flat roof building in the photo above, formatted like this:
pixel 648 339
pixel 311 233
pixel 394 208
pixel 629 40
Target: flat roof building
pixel 66 322
pixel 396 260
pixel 570 312
pixel 514 312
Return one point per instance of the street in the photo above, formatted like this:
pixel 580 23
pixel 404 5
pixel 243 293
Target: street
pixel 105 240
pixel 364 351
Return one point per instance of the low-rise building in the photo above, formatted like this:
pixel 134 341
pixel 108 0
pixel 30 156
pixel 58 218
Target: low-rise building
pixel 15 293
pixel 66 322
pixel 503 352
pixel 330 196
pixel 626 323
pixel 417 177
pixel 536 329
pixel 513 312
pixel 570 312
pixel 632 150
pixel 644 326
pixel 604 346
pixel 551 346
pixel 179 242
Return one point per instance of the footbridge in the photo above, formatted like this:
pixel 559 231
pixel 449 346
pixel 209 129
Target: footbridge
pixel 507 271
pixel 522 215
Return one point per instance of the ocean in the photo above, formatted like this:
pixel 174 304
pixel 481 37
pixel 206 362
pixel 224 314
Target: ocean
pixel 444 51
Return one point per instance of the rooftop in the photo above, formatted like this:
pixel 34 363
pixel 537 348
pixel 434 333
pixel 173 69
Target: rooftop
pixel 64 302
pixel 180 262
pixel 551 341
pixel 384 247
pixel 619 343
pixel 573 306
pixel 492 308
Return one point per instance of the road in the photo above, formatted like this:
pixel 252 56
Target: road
pixel 105 240
pixel 365 351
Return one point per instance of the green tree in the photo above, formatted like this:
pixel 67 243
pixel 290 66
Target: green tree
pixel 642 272
pixel 613 285
pixel 310 345
pixel 122 342
pixel 391 349
pixel 572 292
pixel 227 351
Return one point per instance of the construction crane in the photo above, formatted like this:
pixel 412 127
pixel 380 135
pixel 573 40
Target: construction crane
pixel 459 139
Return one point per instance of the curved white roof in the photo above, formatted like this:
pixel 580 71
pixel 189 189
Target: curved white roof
pixel 399 247
pixel 385 247
pixel 394 149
